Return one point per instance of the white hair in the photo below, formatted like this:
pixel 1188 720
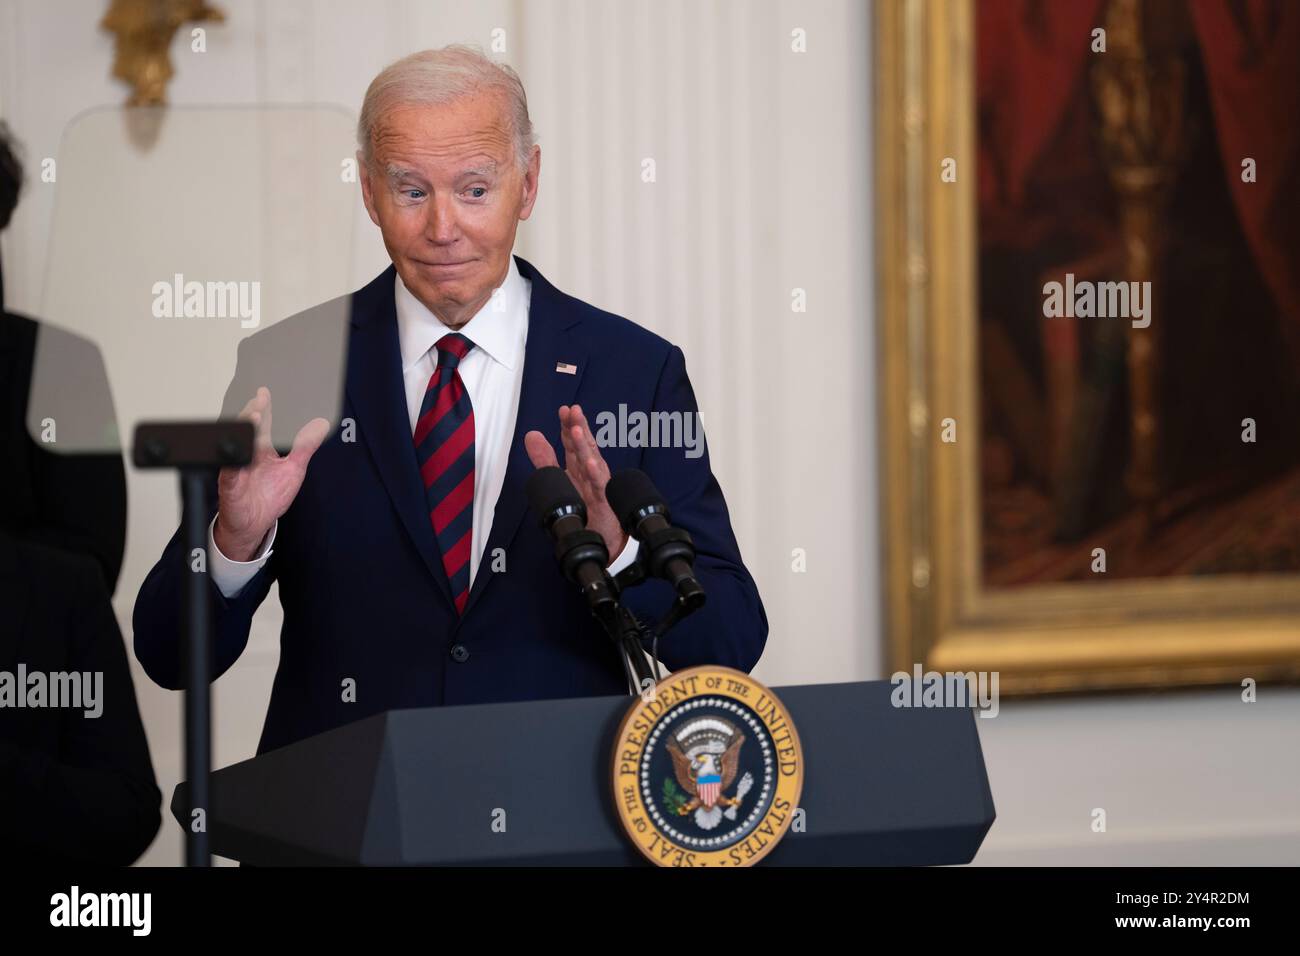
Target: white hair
pixel 441 76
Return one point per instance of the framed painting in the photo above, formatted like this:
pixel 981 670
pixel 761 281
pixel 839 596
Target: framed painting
pixel 1089 340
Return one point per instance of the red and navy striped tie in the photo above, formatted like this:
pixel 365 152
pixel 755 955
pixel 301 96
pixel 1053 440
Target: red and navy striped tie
pixel 444 447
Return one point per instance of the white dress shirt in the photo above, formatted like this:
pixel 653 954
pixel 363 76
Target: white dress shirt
pixel 493 374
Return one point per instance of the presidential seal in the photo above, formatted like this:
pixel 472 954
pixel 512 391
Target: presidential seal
pixel 707 770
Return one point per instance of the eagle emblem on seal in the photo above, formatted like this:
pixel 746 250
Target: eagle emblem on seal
pixel 706 757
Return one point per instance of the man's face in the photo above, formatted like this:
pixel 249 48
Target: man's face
pixel 445 190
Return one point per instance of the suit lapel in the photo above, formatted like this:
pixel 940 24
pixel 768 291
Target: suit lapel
pixel 377 395
pixel 542 392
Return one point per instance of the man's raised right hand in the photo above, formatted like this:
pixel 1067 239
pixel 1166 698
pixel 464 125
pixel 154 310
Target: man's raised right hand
pixel 252 498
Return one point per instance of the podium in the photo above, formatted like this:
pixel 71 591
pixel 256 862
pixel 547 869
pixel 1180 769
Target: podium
pixel 529 784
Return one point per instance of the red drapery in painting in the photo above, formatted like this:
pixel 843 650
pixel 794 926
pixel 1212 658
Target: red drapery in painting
pixel 1032 55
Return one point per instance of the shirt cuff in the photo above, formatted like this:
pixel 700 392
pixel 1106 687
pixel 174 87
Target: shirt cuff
pixel 630 551
pixel 231 576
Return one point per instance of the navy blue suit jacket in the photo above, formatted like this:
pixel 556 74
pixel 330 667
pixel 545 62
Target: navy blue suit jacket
pixel 361 582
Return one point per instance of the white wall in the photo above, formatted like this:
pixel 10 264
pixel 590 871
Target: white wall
pixel 763 163
pixel 1185 778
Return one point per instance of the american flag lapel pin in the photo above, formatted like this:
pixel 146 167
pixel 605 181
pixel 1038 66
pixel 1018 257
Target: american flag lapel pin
pixel 566 368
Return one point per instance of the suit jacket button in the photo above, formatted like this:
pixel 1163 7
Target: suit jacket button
pixel 459 653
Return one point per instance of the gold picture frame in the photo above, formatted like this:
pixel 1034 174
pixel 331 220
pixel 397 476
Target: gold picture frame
pixel 1051 637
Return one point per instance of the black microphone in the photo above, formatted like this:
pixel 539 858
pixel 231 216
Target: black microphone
pixel 668 552
pixel 582 553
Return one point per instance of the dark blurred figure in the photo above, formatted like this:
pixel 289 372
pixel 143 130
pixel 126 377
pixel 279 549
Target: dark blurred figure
pixel 76 783
pixel 73 788
pixel 74 502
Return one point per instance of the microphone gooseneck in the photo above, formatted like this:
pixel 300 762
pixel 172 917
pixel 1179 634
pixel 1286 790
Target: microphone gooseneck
pixel 668 552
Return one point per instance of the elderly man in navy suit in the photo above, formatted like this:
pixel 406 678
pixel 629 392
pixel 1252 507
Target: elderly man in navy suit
pixel 408 573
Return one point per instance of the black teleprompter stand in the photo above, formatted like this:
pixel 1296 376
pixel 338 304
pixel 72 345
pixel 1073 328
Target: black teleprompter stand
pixel 198 450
